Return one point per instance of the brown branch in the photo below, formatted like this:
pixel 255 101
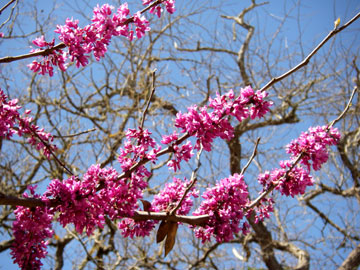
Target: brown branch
pixel 254 153
pixel 314 51
pixel 345 110
pixel 149 100
pixel 45 52
pixel 138 216
pixel 6 5
pixel 245 46
pixel 75 134
pixel 352 261
pixel 302 255
pixel 329 221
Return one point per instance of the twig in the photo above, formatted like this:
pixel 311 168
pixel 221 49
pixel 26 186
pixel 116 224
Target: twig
pixel 8 4
pixel 11 12
pixel 45 52
pixel 149 100
pixel 307 59
pixel 252 156
pixel 192 182
pixel 75 134
pixel 345 110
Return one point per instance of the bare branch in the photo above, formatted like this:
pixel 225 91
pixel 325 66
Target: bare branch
pixel 149 100
pixel 254 153
pixel 352 261
pixel 307 59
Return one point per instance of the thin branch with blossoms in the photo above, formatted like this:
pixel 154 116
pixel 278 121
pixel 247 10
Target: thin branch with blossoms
pixel 44 52
pixel 49 148
pixel 273 185
pixel 51 49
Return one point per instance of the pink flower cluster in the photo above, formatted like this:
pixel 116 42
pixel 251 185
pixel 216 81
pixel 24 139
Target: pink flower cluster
pixel 52 58
pixel 95 37
pixel 181 152
pixel 312 144
pixel 138 146
pixel 248 104
pixel 263 210
pixel 131 228
pixel 170 196
pixel 9 115
pixel 166 200
pixel 31 229
pixel 225 204
pixel 293 184
pixel 11 122
pixel 207 126
pixel 101 192
pixel 169 5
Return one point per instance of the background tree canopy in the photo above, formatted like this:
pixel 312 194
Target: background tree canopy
pixel 205 47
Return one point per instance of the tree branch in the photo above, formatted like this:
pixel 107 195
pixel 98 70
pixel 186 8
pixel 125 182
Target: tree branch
pixel 314 51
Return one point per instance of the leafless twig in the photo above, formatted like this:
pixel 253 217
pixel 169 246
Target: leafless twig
pixel 149 100
pixel 254 153
pixel 307 59
pixel 75 134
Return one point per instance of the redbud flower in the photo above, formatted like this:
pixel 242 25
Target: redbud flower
pixel 224 203
pixel 312 145
pixel 31 228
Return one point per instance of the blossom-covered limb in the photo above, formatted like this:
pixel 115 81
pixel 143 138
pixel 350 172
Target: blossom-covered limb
pixel 12 122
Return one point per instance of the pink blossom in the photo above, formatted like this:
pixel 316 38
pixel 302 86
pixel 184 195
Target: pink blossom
pixel 183 152
pixel 312 145
pixel 224 203
pixel 294 184
pixel 169 5
pixel 82 204
pixel 131 228
pixel 207 126
pixel 93 38
pixel 166 139
pixel 11 122
pixel 263 210
pixel 142 25
pixel 164 201
pixel 171 194
pixel 138 146
pixel 54 58
pixel 31 228
pixel 203 125
pixel 9 115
